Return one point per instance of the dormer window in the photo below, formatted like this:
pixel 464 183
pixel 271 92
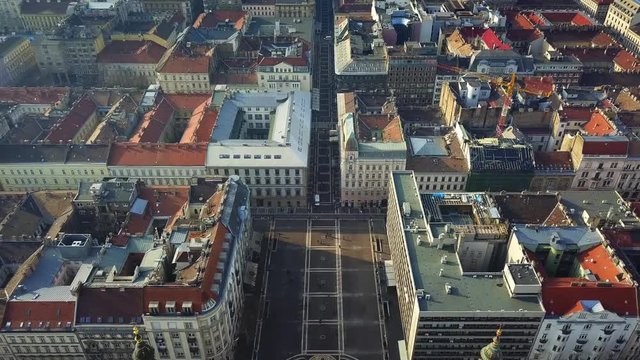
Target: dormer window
pixel 154 308
pixel 187 308
pixel 170 307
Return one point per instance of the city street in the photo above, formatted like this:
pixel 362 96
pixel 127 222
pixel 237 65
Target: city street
pixel 321 292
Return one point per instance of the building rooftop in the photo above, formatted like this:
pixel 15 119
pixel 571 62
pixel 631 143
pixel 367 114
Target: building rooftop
pixel 438 274
pixel 140 154
pixel 586 270
pixel 627 61
pixel 71 124
pixel 36 213
pixel 35 7
pixel 186 102
pixel 553 160
pixel 599 125
pixel 221 19
pixel 53 153
pixel 200 126
pixel 436 154
pixel 154 124
pixel 33 95
pixel 131 52
pixel 118 306
pixel 288 133
pixel 517 208
pixel 587 207
pixel 183 59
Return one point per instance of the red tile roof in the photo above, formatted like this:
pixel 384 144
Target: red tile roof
pixel 539 85
pixel 132 154
pixel 215 18
pixel 163 202
pixel 590 55
pixel 599 145
pixel 155 123
pixel 515 34
pixel 191 61
pixel 598 125
pixel 186 101
pixel 388 125
pixel 599 262
pixel 55 314
pixel 110 305
pixel 67 128
pixel 200 125
pixel 553 160
pixel 33 95
pixel 603 40
pixel 197 295
pixel 520 21
pixel 627 61
pixel 575 113
pixel 492 41
pixel 131 52
pixel 34 7
pixel 293 61
pixel 573 18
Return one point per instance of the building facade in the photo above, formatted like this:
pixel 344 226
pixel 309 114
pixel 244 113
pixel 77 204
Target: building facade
pixel 598 9
pixel 265 141
pixel 371 146
pixel 51 167
pixel 622 15
pixel 284 74
pixel 17 59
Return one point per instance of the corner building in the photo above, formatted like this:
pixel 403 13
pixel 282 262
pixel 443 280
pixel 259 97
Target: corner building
pixel 446 311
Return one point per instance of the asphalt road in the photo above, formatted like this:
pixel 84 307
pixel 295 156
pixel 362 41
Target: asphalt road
pixel 321 293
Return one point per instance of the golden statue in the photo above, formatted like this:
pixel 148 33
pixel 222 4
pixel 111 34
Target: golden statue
pixel 492 351
pixel 142 350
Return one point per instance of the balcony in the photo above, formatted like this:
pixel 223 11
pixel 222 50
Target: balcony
pixel 608 331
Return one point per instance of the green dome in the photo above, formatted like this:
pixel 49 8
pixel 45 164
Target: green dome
pixel 142 350
pixel 492 351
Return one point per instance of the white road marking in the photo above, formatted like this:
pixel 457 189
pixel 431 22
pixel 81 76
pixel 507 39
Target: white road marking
pixel 339 288
pixel 376 278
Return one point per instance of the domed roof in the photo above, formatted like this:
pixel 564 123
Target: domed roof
pixel 142 350
pixel 492 351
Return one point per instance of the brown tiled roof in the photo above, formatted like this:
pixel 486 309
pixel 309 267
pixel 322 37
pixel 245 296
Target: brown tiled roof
pixel 54 7
pixel 389 125
pixel 525 208
pixel 163 201
pixel 236 79
pixel 193 61
pixel 603 40
pixel 213 19
pixel 575 113
pixel 454 162
pixel 553 160
pixel 110 306
pixel 154 123
pixel 32 95
pixel 186 101
pixel 132 154
pixel 200 125
pixel 627 61
pixel 558 217
pixel 591 55
pixel 131 52
pixel 539 85
pixel 54 314
pixel 71 124
pixel 198 294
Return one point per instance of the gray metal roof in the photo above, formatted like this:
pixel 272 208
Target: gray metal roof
pixel 53 153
